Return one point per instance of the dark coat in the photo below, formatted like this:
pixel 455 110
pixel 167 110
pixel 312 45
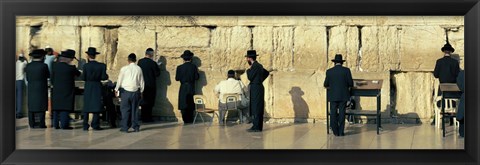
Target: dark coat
pixel 338 80
pixel 446 70
pixel 187 74
pixel 150 72
pixel 37 74
pixel 461 86
pixel 93 73
pixel 63 81
pixel 256 75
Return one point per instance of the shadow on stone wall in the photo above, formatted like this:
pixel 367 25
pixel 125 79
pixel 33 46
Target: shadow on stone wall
pixel 300 106
pixel 165 106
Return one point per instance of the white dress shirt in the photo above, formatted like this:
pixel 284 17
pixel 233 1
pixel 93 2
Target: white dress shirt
pixel 229 86
pixel 130 78
pixel 20 69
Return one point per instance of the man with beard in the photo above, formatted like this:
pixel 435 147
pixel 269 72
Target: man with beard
pixel 256 75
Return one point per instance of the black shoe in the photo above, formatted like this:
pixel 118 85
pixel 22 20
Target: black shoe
pixel 113 126
pixel 67 128
pixel 43 126
pixel 136 130
pixel 253 130
pixel 18 116
pixel 57 127
pixel 98 129
pixel 125 131
pixel 85 129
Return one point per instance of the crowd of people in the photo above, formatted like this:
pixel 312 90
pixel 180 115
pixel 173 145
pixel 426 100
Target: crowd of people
pixel 53 76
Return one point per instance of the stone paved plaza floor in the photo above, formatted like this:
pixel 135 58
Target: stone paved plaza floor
pixel 234 136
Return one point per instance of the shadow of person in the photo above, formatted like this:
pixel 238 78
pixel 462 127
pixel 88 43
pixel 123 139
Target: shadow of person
pixel 163 81
pixel 300 106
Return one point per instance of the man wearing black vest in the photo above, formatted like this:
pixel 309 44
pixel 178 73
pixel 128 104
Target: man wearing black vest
pixel 256 74
pixel 338 82
pixel 150 72
pixel 447 68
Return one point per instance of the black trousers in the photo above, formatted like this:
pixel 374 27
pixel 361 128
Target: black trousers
pixel 461 129
pixel 31 119
pixel 61 116
pixel 149 95
pixel 187 115
pixel 95 121
pixel 129 109
pixel 337 118
pixel 257 105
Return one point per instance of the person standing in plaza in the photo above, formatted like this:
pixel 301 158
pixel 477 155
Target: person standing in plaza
pixel 49 59
pixel 151 71
pixel 447 68
pixel 256 75
pixel 37 90
pixel 20 66
pixel 461 106
pixel 338 82
pixel 130 86
pixel 187 74
pixel 93 73
pixel 63 81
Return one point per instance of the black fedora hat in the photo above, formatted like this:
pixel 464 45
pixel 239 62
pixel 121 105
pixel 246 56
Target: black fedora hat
pixel 187 54
pixel 448 47
pixel 37 53
pixel 69 53
pixel 251 53
pixel 92 51
pixel 338 58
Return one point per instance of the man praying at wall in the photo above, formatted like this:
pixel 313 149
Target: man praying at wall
pixel 187 74
pixel 151 71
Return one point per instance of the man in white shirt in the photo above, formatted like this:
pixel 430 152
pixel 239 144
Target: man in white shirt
pixel 231 85
pixel 130 86
pixel 20 80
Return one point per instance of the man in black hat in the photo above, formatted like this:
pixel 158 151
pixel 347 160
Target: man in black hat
pixel 63 81
pixel 37 77
pixel 256 75
pixel 93 73
pixel 150 71
pixel 447 68
pixel 130 85
pixel 338 82
pixel 187 74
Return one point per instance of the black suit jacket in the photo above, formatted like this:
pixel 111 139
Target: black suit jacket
pixel 187 74
pixel 257 74
pixel 338 80
pixel 63 81
pixel 93 73
pixel 37 74
pixel 446 70
pixel 150 71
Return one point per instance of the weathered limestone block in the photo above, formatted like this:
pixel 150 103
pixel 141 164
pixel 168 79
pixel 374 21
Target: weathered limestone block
pixel 94 37
pixel 310 48
pixel 69 20
pixel 457 40
pixel 420 20
pixel 58 37
pixel 379 50
pixel 229 45
pixel 216 20
pixel 134 39
pixel 283 48
pixel 270 20
pixel 23 40
pixel 420 47
pixel 339 20
pixel 174 37
pixel 344 40
pixel 299 95
pixel 111 20
pixel 414 94
pixel 201 58
pixel 31 20
pixel 263 44
pixel 370 103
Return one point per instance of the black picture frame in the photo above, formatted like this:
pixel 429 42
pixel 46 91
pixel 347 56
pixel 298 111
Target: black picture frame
pixel 9 9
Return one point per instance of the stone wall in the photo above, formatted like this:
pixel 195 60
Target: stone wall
pixel 399 50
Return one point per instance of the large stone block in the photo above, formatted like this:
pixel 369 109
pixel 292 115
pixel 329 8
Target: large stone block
pixel 310 48
pixel 111 20
pixel 283 38
pixel 263 44
pixel 456 38
pixel 23 39
pixel 31 20
pixel 94 37
pixel 132 40
pixel 414 94
pixel 69 20
pixel 379 51
pixel 339 20
pixel 420 47
pixel 299 95
pixel 229 45
pixel 174 37
pixel 420 20
pixel 216 20
pixel 344 40
pixel 201 58
pixel 58 37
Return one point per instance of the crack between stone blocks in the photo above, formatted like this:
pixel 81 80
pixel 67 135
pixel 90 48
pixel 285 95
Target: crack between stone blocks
pixel 293 47
pixel 359 59
pixel 251 36
pixel 328 28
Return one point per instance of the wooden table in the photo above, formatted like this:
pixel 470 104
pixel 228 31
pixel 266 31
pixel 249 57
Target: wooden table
pixel 449 91
pixel 363 88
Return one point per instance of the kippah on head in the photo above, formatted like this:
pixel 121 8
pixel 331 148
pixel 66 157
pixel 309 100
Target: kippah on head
pixel 149 51
pixel 132 57
pixel 231 72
